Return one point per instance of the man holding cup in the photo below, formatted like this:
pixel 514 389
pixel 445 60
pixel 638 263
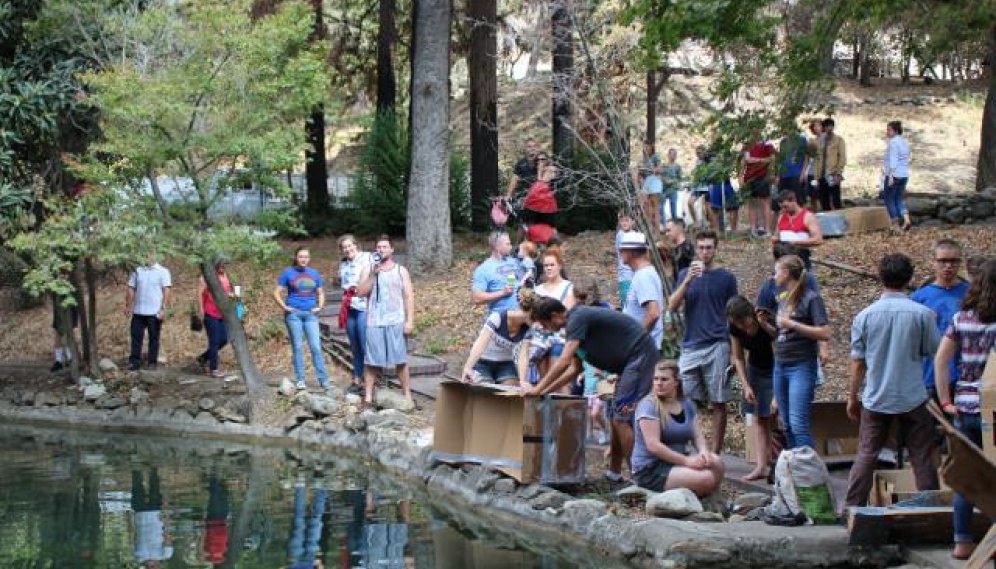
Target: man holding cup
pixel 704 290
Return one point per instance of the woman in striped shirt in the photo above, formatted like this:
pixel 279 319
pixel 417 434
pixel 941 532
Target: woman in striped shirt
pixel 971 337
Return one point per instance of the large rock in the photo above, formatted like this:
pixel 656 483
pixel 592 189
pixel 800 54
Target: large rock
pixel 321 405
pixel 677 503
pixel 955 215
pixel 110 402
pixel 107 365
pixel 205 404
pixel 747 502
pixel 93 392
pixel 287 387
pixel 921 206
pixel 138 396
pixel 391 399
pixel 226 414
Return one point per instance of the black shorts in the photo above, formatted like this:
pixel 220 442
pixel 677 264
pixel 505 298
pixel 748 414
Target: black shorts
pixel 758 188
pixel 530 217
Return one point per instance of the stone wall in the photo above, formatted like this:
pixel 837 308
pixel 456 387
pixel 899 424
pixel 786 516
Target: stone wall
pixel 938 210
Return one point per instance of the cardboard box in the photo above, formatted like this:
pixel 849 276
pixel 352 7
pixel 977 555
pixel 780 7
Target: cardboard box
pixel 865 219
pixel 893 486
pixel 988 403
pixel 529 438
pixel 836 436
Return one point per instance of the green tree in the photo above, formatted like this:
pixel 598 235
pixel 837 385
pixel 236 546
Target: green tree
pixel 194 91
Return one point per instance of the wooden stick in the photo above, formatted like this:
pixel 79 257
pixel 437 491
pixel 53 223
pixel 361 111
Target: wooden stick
pixel 844 267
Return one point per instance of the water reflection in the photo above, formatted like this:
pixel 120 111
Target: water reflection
pixel 101 502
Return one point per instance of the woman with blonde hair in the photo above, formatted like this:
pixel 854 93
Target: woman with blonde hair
pixel 492 357
pixel 801 324
pixel 353 313
pixel 666 428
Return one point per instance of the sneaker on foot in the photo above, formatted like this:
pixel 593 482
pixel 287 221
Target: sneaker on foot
pixel 613 477
pixel 300 385
pixel 603 438
pixel 57 366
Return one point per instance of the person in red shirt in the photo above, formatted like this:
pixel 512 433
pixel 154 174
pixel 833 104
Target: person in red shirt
pixel 214 322
pixel 798 226
pixel 757 159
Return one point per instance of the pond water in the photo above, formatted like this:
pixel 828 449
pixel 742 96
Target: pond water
pixel 99 501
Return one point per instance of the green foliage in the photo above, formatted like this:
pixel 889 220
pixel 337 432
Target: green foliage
pixel 196 90
pixel 380 191
pixel 460 206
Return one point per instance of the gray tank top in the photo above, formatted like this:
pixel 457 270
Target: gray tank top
pixel 386 303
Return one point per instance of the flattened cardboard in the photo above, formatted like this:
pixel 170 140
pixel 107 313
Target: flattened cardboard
pixel 893 486
pixel 988 411
pixel 866 218
pixel 531 439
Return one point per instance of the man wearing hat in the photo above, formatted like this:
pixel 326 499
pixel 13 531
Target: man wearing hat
pixel 645 298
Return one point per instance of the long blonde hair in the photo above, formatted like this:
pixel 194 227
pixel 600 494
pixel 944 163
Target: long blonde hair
pixel 797 272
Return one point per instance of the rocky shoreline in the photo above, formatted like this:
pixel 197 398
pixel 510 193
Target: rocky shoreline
pixel 530 513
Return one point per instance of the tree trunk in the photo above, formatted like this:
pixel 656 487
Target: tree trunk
pixel 563 79
pixel 855 55
pixel 93 349
pixel 255 383
pixel 536 41
pixel 386 37
pixel 864 77
pixel 315 169
pixel 482 63
pixel 412 48
pixel 651 106
pixel 986 170
pixel 430 246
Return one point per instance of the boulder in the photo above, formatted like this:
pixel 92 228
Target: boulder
pixel 85 382
pixel 93 392
pixel 391 399
pixel 504 486
pixel 287 387
pixel 747 502
pixel 706 518
pixel 921 206
pixel 205 418
pixel 186 406
pixel 109 402
pixel 45 399
pixel 107 365
pixel 73 397
pixel 138 395
pixel 353 399
pixel 677 503
pixel 205 404
pixel 955 215
pixel 226 414
pixel 321 405
pixel 983 209
pixel 552 499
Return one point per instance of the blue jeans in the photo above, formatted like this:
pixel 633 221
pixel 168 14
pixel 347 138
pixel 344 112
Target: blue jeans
pixel 306 527
pixel 970 425
pixel 301 324
pixel 671 199
pixel 217 335
pixel 795 386
pixel 356 329
pixel 893 194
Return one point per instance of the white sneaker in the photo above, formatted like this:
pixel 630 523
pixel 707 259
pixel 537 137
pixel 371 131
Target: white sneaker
pixel 300 386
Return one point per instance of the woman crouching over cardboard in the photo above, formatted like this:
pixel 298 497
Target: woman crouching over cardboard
pixel 666 427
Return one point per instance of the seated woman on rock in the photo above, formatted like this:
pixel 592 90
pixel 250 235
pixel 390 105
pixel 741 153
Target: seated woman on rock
pixel 660 459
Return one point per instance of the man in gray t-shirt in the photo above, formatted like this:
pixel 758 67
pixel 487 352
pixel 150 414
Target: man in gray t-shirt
pixel 645 299
pixel 889 340
pixel 146 301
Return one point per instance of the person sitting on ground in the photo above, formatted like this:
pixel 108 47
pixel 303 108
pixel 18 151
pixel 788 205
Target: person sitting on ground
pixel 492 355
pixel 750 346
pixel 665 428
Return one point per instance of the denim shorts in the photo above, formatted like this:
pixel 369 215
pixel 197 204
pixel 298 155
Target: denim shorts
pixel 495 372
pixel 761 381
pixel 654 476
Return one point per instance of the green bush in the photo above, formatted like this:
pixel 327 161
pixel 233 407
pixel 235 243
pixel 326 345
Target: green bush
pixel 380 190
pixel 379 199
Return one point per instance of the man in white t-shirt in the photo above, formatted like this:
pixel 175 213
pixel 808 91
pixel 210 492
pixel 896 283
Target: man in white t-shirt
pixel 147 300
pixel 645 299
